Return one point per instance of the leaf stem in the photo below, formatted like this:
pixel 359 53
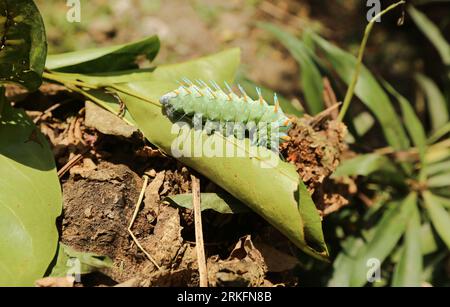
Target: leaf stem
pixel 362 48
pixel 60 79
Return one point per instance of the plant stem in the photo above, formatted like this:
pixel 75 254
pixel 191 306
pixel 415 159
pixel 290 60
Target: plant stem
pixel 77 86
pixel 60 79
pixel 362 48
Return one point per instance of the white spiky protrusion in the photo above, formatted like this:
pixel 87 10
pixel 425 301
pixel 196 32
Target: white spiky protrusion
pixel 216 86
pixel 214 89
pixel 261 99
pixel 213 95
pixel 244 94
pixel 199 91
pixel 203 83
pixel 276 102
pixel 228 87
pixel 187 81
pixel 188 91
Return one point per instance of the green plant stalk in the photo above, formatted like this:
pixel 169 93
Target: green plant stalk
pixel 56 78
pixel 362 48
pixel 78 86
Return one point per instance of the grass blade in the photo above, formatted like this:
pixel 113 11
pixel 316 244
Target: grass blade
pixel 432 32
pixel 412 123
pixel 310 75
pixel 438 215
pixel 388 232
pixel 408 272
pixel 437 105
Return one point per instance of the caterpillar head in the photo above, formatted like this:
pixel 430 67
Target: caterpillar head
pixel 165 100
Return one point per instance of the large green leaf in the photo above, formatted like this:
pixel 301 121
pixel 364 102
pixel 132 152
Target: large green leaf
pixel 23 44
pixel 311 220
pixel 432 32
pixel 437 105
pixel 438 215
pixel 408 272
pixel 30 201
pixel 106 59
pixel 263 182
pixel 369 91
pixel 310 75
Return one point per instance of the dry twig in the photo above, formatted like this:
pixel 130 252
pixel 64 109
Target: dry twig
pixel 136 210
pixel 200 248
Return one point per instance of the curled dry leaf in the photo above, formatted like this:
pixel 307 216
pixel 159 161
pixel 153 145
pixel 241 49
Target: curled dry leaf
pixel 51 282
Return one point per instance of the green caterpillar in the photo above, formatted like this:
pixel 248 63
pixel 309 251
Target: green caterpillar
pixel 228 113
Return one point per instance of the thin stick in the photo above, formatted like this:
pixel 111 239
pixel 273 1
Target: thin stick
pixel 71 163
pixel 51 109
pixel 362 48
pixel 136 210
pixel 200 248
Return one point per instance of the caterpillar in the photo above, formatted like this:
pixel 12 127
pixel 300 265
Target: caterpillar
pixel 228 113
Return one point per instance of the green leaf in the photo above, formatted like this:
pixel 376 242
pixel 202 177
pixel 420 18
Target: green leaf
pixel 344 264
pixel 438 134
pixel 388 232
pixel 445 202
pixel 70 261
pixel 438 152
pixel 312 226
pixel 439 181
pixel 363 123
pixel 412 122
pixel 408 272
pixel 438 215
pixel 428 242
pixel 219 202
pixel 23 44
pixel 263 182
pixel 106 59
pixel 269 183
pixel 364 165
pixel 311 78
pixel 436 102
pixel 432 32
pixel 438 168
pixel 30 201
pixel 369 91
